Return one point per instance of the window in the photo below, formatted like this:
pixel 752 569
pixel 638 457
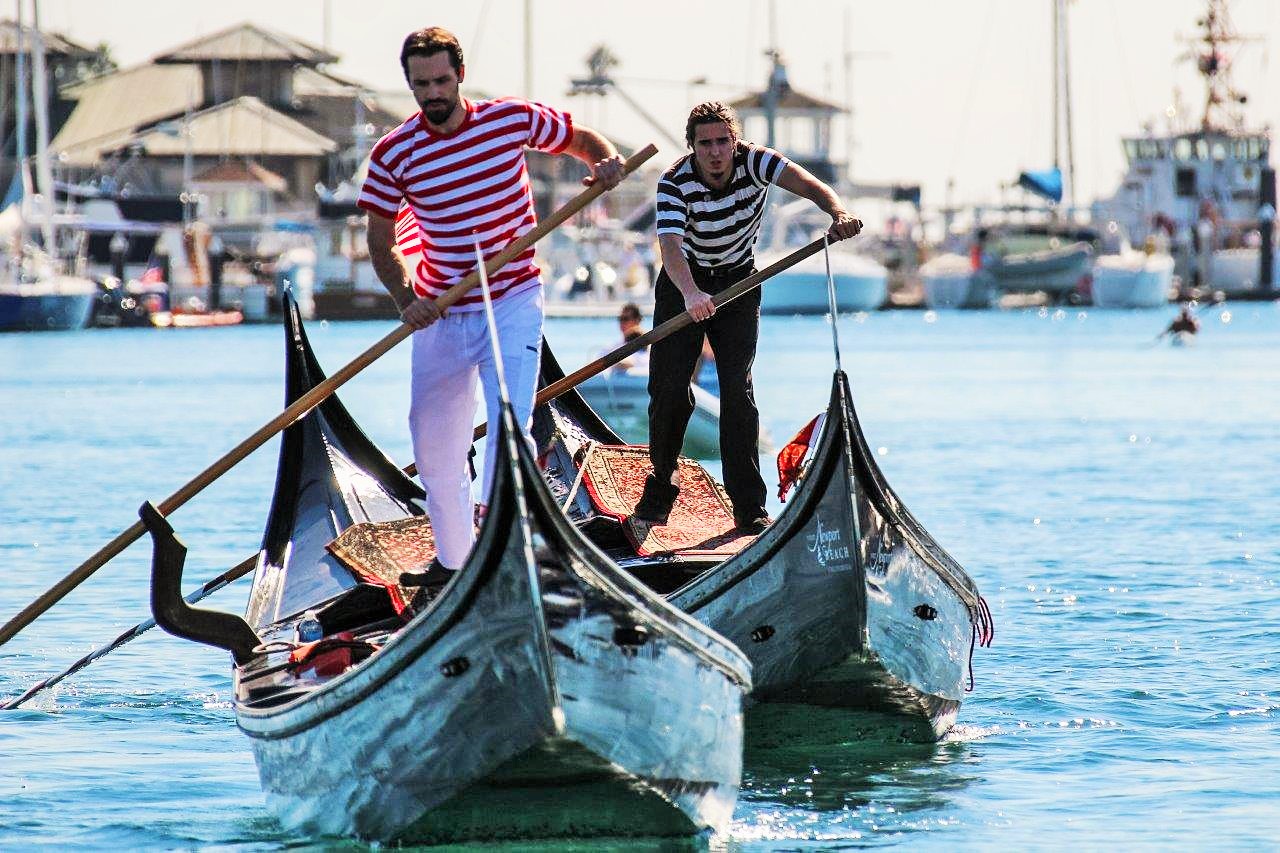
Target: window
pixel 1185 183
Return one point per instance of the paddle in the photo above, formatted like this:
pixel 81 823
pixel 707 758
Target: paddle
pixel 300 407
pixel 550 392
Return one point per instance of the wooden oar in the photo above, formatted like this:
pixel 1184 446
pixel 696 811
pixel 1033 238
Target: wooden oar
pixel 549 393
pixel 299 408
pixel 676 323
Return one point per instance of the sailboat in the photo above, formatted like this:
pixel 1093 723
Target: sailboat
pixel 35 292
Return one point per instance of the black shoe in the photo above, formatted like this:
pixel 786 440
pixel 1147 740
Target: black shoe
pixel 754 525
pixel 435 577
pixel 655 503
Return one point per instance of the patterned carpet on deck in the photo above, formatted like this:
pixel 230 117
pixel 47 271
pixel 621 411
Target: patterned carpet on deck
pixel 378 553
pixel 701 522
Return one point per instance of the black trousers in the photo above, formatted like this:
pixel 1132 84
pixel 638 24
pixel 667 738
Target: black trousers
pixel 732 332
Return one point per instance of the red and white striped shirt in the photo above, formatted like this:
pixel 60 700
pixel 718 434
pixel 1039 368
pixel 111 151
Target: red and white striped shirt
pixel 447 191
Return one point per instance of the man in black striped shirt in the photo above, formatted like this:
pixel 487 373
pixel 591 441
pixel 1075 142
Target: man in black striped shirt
pixel 710 205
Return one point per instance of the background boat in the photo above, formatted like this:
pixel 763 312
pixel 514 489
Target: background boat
pixel 1035 261
pixel 52 303
pixel 862 283
pixel 1204 184
pixel 1132 280
pixel 622 399
pixel 1236 272
pixel 949 282
pixel 37 292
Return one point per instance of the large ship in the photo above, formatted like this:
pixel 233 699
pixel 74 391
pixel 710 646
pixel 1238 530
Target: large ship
pixel 1208 190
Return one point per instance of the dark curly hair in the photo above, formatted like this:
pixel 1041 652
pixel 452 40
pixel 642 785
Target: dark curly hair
pixel 709 113
pixel 429 41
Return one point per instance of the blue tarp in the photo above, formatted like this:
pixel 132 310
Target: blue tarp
pixel 1046 183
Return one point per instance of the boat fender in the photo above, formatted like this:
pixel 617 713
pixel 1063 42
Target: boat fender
pixel 925 612
pixel 762 633
pixel 454 667
pixel 172 612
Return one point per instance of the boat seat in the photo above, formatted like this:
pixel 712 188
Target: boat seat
pixel 701 521
pixel 378 552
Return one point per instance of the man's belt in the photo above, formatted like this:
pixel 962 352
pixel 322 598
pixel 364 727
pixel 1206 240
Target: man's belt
pixel 724 272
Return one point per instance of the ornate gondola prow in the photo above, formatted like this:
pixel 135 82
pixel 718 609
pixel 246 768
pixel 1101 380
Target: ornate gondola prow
pixel 172 613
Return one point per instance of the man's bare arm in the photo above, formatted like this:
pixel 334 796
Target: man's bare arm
pixel 797 180
pixel 388 265
pixel 598 153
pixel 696 300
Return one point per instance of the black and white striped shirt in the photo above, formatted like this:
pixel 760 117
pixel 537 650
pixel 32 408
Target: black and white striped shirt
pixel 719 227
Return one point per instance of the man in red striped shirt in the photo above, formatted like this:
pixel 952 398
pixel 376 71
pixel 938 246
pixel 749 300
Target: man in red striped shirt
pixel 453 174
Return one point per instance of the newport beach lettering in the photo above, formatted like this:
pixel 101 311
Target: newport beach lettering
pixel 827 545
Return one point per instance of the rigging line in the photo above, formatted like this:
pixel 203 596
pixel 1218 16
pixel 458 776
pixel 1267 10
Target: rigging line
pixel 973 84
pixel 831 299
pixel 478 38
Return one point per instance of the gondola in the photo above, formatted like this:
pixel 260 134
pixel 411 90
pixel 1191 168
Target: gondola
pixel 543 693
pixel 845 603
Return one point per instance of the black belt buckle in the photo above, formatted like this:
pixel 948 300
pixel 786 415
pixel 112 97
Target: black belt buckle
pixel 722 273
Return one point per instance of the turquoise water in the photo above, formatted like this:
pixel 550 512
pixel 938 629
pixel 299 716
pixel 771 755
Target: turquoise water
pixel 1114 499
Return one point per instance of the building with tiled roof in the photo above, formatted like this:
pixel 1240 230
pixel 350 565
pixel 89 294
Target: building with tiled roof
pixel 244 94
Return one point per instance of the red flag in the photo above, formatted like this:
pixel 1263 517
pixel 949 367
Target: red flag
pixel 791 459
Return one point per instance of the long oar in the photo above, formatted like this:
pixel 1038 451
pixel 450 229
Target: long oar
pixel 675 324
pixel 550 392
pixel 304 404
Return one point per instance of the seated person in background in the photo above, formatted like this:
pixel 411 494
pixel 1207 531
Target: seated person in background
pixel 1184 322
pixel 629 326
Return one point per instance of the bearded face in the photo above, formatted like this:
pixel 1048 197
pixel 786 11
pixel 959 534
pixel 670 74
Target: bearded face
pixel 435 84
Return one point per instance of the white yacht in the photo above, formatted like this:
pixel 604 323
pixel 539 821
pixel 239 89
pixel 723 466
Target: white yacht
pixel 861 282
pixel 1208 190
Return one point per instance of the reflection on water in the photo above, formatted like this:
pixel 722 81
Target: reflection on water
pixel 830 775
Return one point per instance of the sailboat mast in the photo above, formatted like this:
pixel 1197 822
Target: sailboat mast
pixel 848 95
pixel 1066 96
pixel 21 100
pixel 40 94
pixel 1057 104
pixel 773 90
pixel 528 49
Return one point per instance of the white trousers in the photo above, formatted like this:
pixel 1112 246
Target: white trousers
pixel 448 357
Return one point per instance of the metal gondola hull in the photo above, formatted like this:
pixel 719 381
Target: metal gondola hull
pixel 844 604
pixel 456 694
pixel 544 693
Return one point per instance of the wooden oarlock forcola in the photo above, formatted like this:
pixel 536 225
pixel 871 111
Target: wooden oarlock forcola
pixel 303 405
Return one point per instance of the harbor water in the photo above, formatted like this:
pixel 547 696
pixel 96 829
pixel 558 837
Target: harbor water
pixel 1114 497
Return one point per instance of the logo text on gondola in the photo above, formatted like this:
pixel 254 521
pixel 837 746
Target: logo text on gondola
pixel 827 545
